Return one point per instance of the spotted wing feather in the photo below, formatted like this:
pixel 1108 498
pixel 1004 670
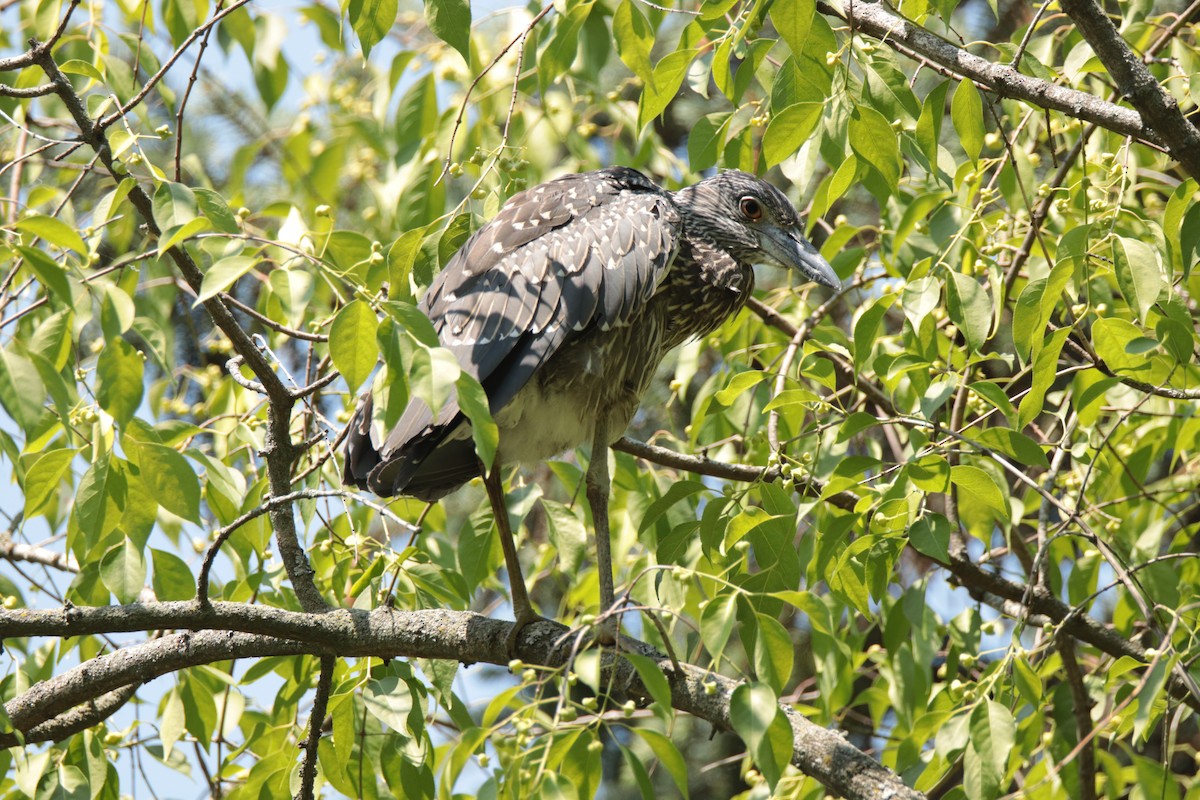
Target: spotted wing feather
pixel 560 259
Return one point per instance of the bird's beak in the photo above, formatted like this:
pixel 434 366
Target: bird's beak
pixel 791 250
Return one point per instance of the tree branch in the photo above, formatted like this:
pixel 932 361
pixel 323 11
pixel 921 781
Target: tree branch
pixel 700 465
pixel 15 551
pixel 1157 108
pixel 308 770
pixel 234 630
pixel 874 19
pixel 1083 718
pixel 78 719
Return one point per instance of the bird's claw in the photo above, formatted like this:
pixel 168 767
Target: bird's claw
pixel 523 618
pixel 607 631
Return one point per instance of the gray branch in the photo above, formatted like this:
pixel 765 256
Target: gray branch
pixel 16 551
pixel 1158 109
pixel 876 20
pixel 71 722
pixel 234 630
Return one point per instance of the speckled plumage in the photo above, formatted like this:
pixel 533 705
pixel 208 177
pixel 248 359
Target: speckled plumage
pixel 564 305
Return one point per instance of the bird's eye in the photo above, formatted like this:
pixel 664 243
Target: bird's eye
pixel 751 208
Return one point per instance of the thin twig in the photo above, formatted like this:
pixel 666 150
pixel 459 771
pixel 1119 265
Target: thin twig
pixel 316 719
pixel 462 109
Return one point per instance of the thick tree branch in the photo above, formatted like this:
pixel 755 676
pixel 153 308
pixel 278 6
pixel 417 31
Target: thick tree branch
pixel 876 20
pixel 80 718
pixel 234 630
pixel 1158 109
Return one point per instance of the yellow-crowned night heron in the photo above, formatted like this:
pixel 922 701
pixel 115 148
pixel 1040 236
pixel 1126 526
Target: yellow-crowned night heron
pixel 562 308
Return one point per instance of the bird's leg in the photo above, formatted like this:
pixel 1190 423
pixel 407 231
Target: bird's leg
pixel 523 611
pixel 598 484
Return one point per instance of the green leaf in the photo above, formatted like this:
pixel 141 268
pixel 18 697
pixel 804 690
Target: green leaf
pixel 174 205
pixel 716 624
pixel 930 473
pixel 789 129
pixel 752 709
pixel 50 274
pixel 966 111
pixel 794 20
pixel 1026 679
pixel 633 38
pixel 199 708
pixel 223 274
pixel 180 233
pixel 773 653
pixel 371 20
pixel 474 403
pixel 413 321
pixel 172 579
pixel 652 676
pixel 929 124
pixel 1014 444
pixel 123 571
pixel 865 327
pixel 1150 705
pixel 873 140
pixel 77 67
pixel 352 345
pixel 450 21
pixel 920 297
pixel 930 536
pixel 21 391
pixel 738 384
pixel 171 480
pixel 119 373
pixel 213 206
pixel 54 231
pixel 970 307
pixel 668 77
pixel 993 730
pixel 669 756
pixel 401 257
pixel 676 492
pixel 117 312
pixel 979 486
pixel 567 534
pixel 389 699
pixel 99 501
pixel 705 140
pixel 171 721
pixel 1139 274
pixel 1045 371
pixel 888 90
pixel 1189 240
pixel 453 237
pixel 44 477
pixel 432 374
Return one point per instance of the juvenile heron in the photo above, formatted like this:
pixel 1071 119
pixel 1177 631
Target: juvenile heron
pixel 562 308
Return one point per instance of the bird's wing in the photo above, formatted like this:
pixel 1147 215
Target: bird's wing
pixel 580 252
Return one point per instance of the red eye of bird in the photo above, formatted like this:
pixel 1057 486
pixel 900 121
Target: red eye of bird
pixel 751 208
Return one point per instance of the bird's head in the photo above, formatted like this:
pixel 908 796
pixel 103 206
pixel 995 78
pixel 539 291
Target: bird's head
pixel 755 223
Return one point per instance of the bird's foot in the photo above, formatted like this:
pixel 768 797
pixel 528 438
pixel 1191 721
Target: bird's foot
pixel 607 630
pixel 523 618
